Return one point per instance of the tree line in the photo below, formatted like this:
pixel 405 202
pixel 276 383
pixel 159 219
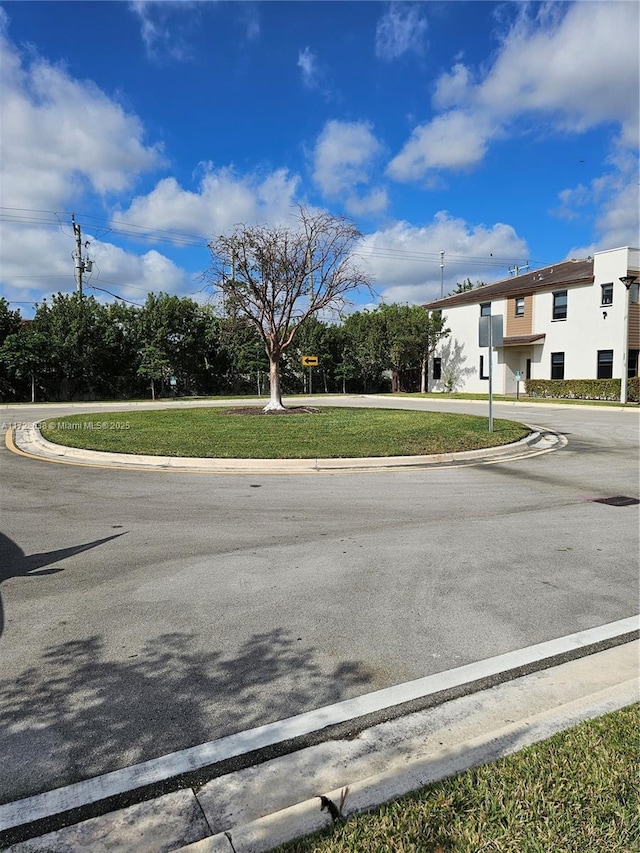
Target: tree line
pixel 76 348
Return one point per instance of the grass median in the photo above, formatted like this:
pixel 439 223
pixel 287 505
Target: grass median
pixel 332 432
pixel 574 793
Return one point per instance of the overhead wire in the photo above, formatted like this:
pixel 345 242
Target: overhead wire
pixel 178 238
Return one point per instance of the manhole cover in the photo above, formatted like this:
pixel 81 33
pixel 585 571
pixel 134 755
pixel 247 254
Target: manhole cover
pixel 619 500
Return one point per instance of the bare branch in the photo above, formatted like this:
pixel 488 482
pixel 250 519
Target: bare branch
pixel 277 277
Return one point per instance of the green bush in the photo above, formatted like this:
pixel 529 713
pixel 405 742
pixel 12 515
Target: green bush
pixel 582 389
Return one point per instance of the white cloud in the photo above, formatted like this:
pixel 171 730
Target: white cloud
pixel 132 276
pixel 570 68
pixel 343 158
pixel 400 30
pixel 308 65
pixel 61 135
pixel 37 262
pixel 451 89
pixel 455 140
pixel 580 69
pixel 162 35
pixel 372 203
pixel 314 75
pixel 404 259
pixel 222 200
pixel 615 196
pixel 63 139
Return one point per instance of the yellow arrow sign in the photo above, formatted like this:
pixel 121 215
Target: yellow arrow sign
pixel 309 360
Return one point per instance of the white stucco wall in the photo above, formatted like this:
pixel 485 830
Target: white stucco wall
pixel 585 331
pixel 460 352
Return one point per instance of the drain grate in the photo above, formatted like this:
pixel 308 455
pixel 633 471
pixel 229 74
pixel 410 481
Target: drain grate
pixel 618 500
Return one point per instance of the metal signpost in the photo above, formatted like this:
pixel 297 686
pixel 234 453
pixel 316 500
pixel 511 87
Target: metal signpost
pixel 309 361
pixel 490 334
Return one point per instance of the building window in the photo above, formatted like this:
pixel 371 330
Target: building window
pixel 605 364
pixel 437 368
pixel 519 306
pixel 632 363
pixel 606 296
pixel 485 309
pixel 483 375
pixel 557 365
pixel 560 305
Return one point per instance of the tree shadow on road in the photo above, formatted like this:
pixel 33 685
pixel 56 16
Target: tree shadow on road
pixel 14 563
pixel 78 714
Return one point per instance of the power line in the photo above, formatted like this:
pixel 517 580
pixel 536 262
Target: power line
pixel 115 295
pixel 27 216
pixel 178 238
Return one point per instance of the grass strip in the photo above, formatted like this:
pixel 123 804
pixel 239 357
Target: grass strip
pixel 328 433
pixel 574 793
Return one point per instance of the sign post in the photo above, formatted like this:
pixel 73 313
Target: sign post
pixel 490 374
pixel 309 361
pixel 490 334
pixel 518 378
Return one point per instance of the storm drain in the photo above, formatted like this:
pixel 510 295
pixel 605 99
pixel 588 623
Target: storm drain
pixel 619 500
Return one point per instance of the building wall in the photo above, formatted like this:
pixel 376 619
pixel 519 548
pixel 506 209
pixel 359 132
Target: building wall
pixel 460 352
pixel 589 327
pixel 634 326
pixel 519 325
pixel 609 267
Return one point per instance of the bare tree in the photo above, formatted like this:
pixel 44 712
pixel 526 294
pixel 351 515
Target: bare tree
pixel 277 276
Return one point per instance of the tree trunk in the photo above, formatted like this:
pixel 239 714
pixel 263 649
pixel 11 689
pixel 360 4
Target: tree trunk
pixel 153 390
pixel 423 376
pixel 275 402
pixel 33 387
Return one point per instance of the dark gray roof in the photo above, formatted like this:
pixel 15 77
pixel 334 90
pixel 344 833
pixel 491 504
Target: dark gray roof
pixel 564 273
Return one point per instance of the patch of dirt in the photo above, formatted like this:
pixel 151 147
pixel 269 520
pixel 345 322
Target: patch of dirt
pixel 293 410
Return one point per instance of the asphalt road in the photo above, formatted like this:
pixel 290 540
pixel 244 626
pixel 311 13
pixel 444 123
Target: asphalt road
pixel 144 612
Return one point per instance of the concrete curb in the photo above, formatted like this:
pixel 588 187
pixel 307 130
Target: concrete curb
pixel 43 812
pixel 305 818
pixel 255 810
pixel 29 441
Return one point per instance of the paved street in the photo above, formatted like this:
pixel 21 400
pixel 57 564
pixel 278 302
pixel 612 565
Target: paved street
pixel 145 612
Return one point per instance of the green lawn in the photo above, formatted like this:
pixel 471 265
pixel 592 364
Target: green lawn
pixel 574 793
pixel 329 432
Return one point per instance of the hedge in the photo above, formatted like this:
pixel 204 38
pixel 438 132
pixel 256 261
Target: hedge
pixel 582 389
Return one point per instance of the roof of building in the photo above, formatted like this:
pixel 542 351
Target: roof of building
pixel 564 273
pixel 520 340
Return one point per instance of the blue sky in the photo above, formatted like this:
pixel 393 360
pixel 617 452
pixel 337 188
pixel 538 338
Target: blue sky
pixel 498 133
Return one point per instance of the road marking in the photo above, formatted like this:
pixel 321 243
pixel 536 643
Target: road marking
pixel 157 770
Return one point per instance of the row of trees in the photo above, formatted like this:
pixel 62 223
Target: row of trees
pixel 272 283
pixel 77 348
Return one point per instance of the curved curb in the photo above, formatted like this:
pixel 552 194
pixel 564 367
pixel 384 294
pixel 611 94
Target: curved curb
pixel 195 767
pixel 302 819
pixel 28 441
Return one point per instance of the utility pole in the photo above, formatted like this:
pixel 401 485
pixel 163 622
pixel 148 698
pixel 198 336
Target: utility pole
pixel 516 269
pixel 441 275
pixel 80 266
pixel 78 255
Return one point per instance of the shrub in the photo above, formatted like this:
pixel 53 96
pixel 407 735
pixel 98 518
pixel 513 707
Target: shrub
pixel 582 389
